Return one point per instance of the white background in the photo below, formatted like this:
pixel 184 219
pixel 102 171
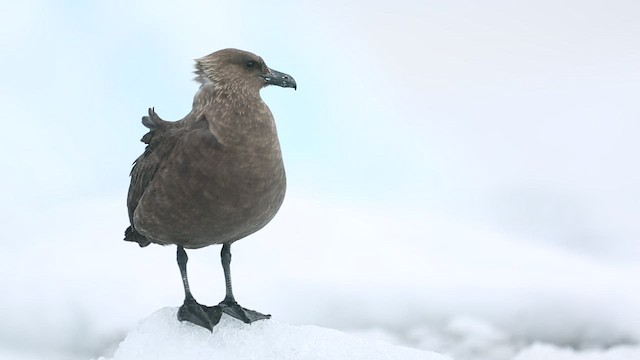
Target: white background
pixel 456 170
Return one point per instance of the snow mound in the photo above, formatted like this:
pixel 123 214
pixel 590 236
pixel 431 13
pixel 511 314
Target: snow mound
pixel 162 336
pixel 545 351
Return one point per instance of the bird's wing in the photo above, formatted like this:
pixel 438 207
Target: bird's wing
pixel 160 140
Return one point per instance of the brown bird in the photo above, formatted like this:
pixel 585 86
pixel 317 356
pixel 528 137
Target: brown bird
pixel 214 176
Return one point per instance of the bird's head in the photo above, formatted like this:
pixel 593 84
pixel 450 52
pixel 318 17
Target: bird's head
pixel 237 70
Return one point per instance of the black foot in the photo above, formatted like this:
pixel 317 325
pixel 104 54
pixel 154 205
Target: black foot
pixel 197 314
pixel 234 310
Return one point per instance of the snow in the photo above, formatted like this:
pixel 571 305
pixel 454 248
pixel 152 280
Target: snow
pixel 466 338
pixel 163 337
pixel 545 351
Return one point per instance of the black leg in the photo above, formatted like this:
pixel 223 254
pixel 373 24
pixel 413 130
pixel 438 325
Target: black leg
pixel 225 256
pixel 229 305
pixel 182 264
pixel 191 311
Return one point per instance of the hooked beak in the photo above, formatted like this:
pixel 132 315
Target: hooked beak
pixel 280 79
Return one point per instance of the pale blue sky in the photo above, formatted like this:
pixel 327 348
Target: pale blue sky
pixel 522 115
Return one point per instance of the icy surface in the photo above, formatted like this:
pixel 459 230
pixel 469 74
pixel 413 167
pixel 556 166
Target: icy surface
pixel 162 336
pixel 472 339
pixel 540 351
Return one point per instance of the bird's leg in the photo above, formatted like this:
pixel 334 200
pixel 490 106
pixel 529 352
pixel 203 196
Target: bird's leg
pixel 190 310
pixel 225 256
pixel 229 305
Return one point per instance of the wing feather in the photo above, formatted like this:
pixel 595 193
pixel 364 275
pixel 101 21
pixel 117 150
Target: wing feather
pixel 160 140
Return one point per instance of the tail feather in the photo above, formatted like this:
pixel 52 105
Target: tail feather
pixel 132 235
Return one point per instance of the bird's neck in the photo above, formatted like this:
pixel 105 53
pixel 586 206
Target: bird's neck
pixel 235 117
pixel 224 95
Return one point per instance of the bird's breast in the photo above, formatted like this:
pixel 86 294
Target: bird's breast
pixel 210 191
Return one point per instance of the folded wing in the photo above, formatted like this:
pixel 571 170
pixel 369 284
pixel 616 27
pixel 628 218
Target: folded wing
pixel 161 139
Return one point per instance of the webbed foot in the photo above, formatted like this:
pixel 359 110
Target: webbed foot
pixel 197 314
pixel 232 309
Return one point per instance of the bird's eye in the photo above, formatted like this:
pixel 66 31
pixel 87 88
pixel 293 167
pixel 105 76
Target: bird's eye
pixel 250 64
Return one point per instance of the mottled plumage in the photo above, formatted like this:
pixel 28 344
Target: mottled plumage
pixel 216 175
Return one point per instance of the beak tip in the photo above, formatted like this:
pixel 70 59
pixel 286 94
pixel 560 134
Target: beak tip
pixel 280 79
